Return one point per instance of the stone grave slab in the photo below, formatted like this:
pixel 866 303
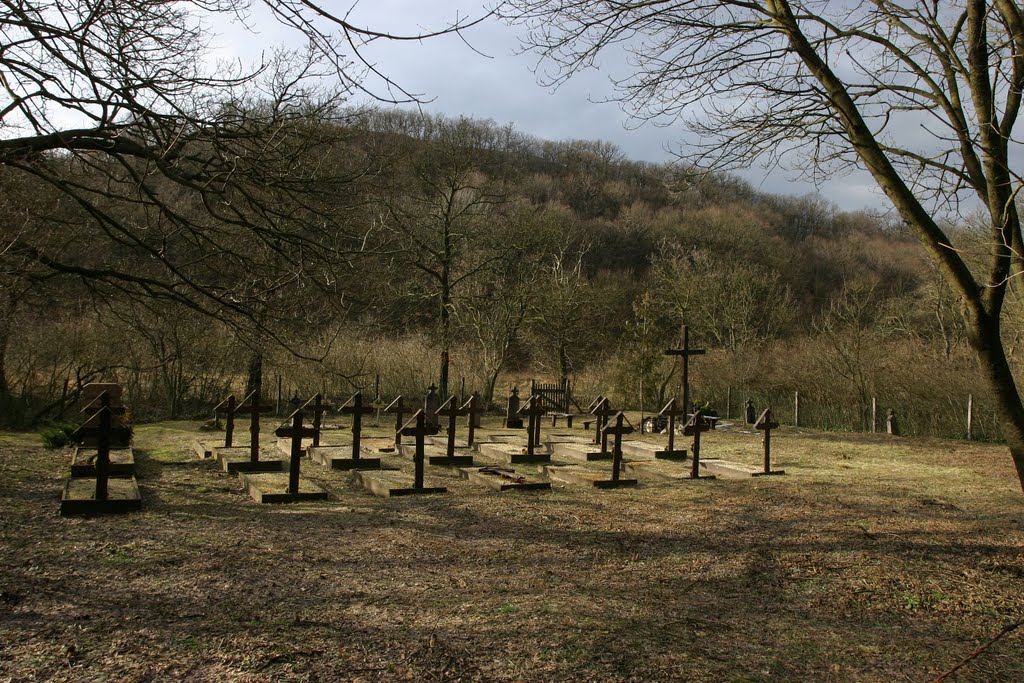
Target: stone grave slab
pixel 285 445
pixel 580 475
pixel 122 462
pixel 438 457
pixel 340 458
pixel 442 441
pixel 660 470
pixel 644 450
pixel 79 497
pixel 503 479
pixel 390 484
pixel 202 449
pixel 579 452
pixel 727 468
pixel 238 459
pixel 378 444
pixel 272 487
pixel 513 454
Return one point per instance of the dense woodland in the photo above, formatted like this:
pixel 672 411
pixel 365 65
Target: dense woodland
pixel 510 256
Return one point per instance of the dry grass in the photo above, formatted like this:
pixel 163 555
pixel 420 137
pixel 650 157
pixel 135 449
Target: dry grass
pixel 873 560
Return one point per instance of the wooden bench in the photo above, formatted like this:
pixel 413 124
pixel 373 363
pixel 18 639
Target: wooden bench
pixel 555 417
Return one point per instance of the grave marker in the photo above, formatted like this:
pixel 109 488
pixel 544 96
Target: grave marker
pixel 512 419
pixel 672 410
pixel 473 409
pixel 418 427
pixel 602 412
pixel 695 427
pixel 766 423
pixel 354 407
pixel 227 407
pixel 398 408
pixel 431 402
pixel 448 409
pixel 684 353
pixel 319 408
pixel 617 430
pixel 254 408
pixel 597 421
pixel 296 432
pixel 533 410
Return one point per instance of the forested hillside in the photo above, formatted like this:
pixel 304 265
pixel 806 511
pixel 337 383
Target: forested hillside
pixel 396 240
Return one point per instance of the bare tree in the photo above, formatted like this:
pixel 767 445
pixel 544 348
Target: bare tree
pixel 926 96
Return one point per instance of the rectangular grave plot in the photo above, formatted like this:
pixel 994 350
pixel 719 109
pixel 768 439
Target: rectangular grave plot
pixel 672 455
pixel 272 487
pixel 122 462
pixel 79 497
pixel 659 470
pixel 586 477
pixel 726 468
pixel 203 451
pixel 580 452
pixel 391 484
pixel 497 482
pixel 437 457
pixel 238 459
pixel 641 450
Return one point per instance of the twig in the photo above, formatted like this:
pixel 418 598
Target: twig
pixel 1010 628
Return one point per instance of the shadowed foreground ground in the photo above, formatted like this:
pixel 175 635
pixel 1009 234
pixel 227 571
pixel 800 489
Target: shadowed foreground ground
pixel 872 560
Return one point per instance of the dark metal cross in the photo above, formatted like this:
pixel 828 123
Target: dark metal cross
pixel 473 409
pixel 620 427
pixel 694 427
pixel 417 427
pixel 101 410
pixel 354 407
pixel 254 408
pixel 448 409
pixel 602 412
pixel 398 408
pixel 684 352
pixel 766 423
pixel 296 432
pixel 319 408
pixel 227 407
pixel 672 411
pixel 534 410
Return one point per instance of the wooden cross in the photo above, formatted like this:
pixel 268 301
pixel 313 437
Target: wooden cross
pixel 354 407
pixel 431 402
pixel 254 408
pixel 617 430
pixel 672 411
pixel 766 423
pixel 448 409
pixel 534 410
pixel 684 352
pixel 602 412
pixel 694 427
pixel 398 408
pixel 597 421
pixel 417 427
pixel 296 432
pixel 104 412
pixel 473 409
pixel 319 408
pixel 227 407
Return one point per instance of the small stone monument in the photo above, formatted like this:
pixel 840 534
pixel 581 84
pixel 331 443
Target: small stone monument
pixel 749 414
pixel 892 426
pixel 512 419
pixel 431 404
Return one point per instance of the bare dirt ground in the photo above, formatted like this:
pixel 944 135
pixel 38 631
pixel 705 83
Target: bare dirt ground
pixel 874 559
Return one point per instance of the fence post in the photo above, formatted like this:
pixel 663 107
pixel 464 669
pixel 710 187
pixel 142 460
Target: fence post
pixel 277 409
pixel 728 404
pixel 970 416
pixel 874 414
pixel 796 409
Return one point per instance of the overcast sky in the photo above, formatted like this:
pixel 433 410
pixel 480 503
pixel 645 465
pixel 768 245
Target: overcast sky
pixel 456 80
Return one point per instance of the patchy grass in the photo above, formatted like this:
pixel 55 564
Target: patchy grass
pixel 874 559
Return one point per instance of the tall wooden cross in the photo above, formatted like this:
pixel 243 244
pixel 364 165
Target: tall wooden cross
pixel 100 410
pixel 451 410
pixel 694 427
pixel 227 407
pixel 672 410
pixel 620 427
pixel 684 352
pixel 533 410
pixel 417 427
pixel 254 408
pixel 398 408
pixel 766 423
pixel 354 407
pixel 597 421
pixel 602 412
pixel 473 409
pixel 296 432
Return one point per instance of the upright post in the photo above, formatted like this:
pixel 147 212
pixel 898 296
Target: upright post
pixel 684 353
pixel 874 415
pixel 796 409
pixel 354 407
pixel 766 423
pixel 103 448
pixel 970 417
